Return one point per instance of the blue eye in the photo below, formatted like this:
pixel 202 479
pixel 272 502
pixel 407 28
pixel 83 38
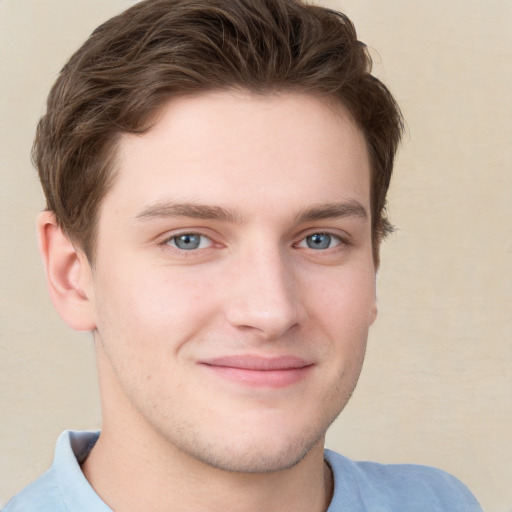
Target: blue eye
pixel 320 241
pixel 189 241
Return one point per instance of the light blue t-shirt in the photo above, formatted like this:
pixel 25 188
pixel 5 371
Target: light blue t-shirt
pixel 358 486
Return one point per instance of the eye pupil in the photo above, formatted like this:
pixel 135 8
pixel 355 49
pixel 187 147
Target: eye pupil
pixel 319 241
pixel 187 241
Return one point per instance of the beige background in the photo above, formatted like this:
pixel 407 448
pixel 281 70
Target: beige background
pixel 437 386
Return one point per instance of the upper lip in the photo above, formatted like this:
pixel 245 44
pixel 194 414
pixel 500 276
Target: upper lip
pixel 258 363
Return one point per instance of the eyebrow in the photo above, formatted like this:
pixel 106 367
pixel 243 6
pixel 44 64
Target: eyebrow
pixel 201 211
pixel 196 211
pixel 350 208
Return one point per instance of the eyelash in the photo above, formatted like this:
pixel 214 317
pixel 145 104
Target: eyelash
pixel 332 237
pixel 340 241
pixel 167 244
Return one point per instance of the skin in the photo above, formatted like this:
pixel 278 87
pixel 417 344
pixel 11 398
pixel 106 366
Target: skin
pixel 277 190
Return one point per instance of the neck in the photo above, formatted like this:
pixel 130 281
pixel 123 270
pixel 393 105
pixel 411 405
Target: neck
pixel 161 478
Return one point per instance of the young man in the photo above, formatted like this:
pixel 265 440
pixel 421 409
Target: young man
pixel 215 174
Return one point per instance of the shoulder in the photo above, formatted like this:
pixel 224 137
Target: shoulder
pixel 400 487
pixel 42 495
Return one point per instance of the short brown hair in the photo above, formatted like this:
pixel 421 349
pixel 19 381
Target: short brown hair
pixel 160 49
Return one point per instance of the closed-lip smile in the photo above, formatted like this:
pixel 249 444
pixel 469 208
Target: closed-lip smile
pixel 254 370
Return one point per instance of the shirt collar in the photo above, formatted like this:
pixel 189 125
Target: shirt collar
pixel 76 492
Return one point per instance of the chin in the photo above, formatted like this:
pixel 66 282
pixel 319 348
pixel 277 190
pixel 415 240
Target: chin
pixel 257 457
pixel 259 448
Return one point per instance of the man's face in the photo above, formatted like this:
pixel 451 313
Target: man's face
pixel 234 283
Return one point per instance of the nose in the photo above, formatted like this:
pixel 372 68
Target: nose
pixel 263 295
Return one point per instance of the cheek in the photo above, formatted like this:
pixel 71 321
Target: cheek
pixel 152 308
pixel 343 311
pixel 145 326
pixel 346 300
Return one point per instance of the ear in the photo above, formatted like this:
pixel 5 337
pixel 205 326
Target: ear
pixel 68 274
pixel 373 312
pixel 373 308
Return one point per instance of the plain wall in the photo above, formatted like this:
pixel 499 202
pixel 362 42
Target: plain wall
pixel 437 384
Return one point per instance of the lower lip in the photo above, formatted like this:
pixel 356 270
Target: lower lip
pixel 262 378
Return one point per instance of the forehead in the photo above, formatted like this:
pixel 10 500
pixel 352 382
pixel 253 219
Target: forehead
pixel 241 148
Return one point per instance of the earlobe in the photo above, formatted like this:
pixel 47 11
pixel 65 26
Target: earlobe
pixel 68 274
pixel 373 308
pixel 373 312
